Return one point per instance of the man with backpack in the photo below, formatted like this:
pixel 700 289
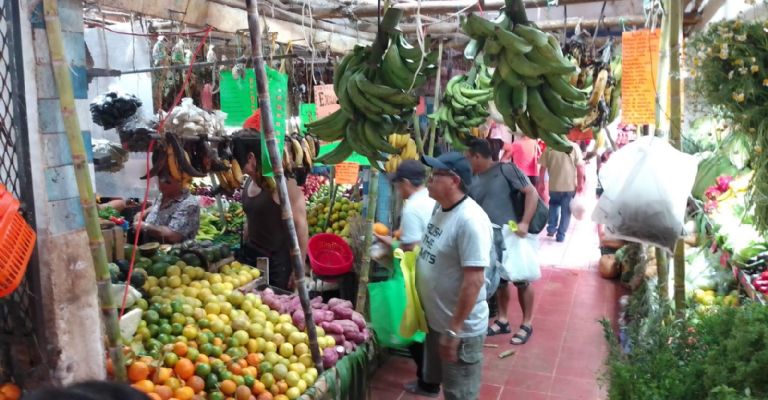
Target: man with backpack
pixel 495 188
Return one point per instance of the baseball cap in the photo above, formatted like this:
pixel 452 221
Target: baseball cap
pixel 453 161
pixel 411 170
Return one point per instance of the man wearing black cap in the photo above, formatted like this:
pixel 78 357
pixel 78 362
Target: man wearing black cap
pixel 450 279
pixel 409 180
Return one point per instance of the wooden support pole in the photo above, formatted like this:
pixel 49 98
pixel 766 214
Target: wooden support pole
pixel 365 264
pixel 268 127
pixel 435 103
pixel 675 109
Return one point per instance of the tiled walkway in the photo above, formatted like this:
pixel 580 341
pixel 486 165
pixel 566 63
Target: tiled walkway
pixel 565 354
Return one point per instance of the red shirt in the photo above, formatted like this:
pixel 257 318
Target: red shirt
pixel 525 153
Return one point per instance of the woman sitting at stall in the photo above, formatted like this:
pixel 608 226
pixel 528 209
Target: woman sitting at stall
pixel 265 234
pixel 175 217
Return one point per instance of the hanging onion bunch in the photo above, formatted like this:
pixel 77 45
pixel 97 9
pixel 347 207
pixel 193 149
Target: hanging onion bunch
pixel 729 69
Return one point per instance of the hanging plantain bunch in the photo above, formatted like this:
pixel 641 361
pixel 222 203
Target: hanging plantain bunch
pixel 465 105
pixel 531 83
pixel 598 73
pixel 375 86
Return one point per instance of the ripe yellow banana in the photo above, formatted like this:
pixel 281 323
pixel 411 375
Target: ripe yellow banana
pixel 173 164
pixel 298 152
pixel 409 152
pixel 598 90
pixel 237 173
pixel 307 153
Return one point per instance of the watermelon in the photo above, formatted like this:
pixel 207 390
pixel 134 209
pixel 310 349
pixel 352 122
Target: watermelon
pixel 138 278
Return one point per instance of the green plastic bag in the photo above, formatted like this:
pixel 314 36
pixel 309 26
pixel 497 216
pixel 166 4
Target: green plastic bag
pixel 388 301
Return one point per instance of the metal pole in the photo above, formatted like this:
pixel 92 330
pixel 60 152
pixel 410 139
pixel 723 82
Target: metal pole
pixel 267 124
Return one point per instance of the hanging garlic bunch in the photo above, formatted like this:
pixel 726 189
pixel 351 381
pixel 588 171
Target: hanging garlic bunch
pixel 238 71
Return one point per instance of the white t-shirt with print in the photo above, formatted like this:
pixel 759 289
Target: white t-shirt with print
pixel 416 214
pixel 458 238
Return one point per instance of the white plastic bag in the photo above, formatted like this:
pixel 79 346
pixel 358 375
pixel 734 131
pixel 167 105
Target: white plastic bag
pixel 646 188
pixel 520 262
pixel 579 206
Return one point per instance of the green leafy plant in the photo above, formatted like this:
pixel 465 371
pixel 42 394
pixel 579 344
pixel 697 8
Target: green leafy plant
pixel 721 355
pixel 730 70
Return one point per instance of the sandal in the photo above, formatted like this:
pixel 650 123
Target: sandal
pixel 522 338
pixel 503 328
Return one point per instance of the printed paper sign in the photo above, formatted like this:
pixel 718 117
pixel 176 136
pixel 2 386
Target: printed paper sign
pixel 346 173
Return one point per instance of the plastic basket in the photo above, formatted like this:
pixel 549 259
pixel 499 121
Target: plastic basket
pixel 329 255
pixel 17 239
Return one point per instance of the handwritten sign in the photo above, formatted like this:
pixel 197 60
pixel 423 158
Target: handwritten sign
pixel 325 100
pixel 346 173
pixel 640 67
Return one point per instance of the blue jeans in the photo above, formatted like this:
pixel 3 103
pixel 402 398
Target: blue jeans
pixel 559 206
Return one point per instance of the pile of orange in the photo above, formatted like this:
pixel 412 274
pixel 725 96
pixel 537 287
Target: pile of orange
pixel 185 378
pixel 9 391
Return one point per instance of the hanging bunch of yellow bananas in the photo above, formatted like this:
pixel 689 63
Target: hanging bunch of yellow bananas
pixel 408 151
pixel 531 80
pixel 231 178
pixel 299 152
pixel 376 95
pixel 598 75
pixel 171 157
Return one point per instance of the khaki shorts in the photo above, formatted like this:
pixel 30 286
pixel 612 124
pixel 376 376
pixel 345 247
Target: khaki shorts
pixel 461 380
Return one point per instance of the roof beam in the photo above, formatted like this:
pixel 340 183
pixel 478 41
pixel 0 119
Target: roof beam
pixel 427 7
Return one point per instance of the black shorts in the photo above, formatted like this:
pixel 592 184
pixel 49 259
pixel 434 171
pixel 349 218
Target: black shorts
pixel 518 284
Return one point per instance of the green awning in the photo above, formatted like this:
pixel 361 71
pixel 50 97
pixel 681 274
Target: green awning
pixel 355 158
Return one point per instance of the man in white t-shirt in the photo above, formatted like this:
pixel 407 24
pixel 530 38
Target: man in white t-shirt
pixel 409 180
pixel 455 252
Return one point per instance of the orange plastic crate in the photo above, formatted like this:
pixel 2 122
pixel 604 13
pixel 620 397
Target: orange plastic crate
pixel 17 239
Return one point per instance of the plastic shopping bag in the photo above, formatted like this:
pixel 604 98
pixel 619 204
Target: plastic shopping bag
pixel 646 188
pixel 388 302
pixel 579 206
pixel 413 319
pixel 520 262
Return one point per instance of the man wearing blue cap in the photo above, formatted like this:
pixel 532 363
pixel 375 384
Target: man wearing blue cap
pixel 450 279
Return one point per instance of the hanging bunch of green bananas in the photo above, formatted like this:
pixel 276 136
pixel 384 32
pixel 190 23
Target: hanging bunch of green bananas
pixel 531 82
pixel 464 105
pixel 376 98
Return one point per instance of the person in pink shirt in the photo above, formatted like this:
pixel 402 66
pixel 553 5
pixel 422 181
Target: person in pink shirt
pixel 525 153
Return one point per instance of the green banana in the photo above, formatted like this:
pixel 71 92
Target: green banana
pixel 473 47
pixel 561 86
pixel 394 71
pixel 526 126
pixel 507 75
pixel 407 50
pixel 377 138
pixel 552 66
pixel 512 42
pixel 503 99
pixel 480 26
pixel 360 101
pixel 561 107
pixel 337 155
pixel 522 65
pixel 543 117
pixel 493 46
pixel 555 141
pixel 533 35
pixel 519 101
pixel 376 90
pixel 555 44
